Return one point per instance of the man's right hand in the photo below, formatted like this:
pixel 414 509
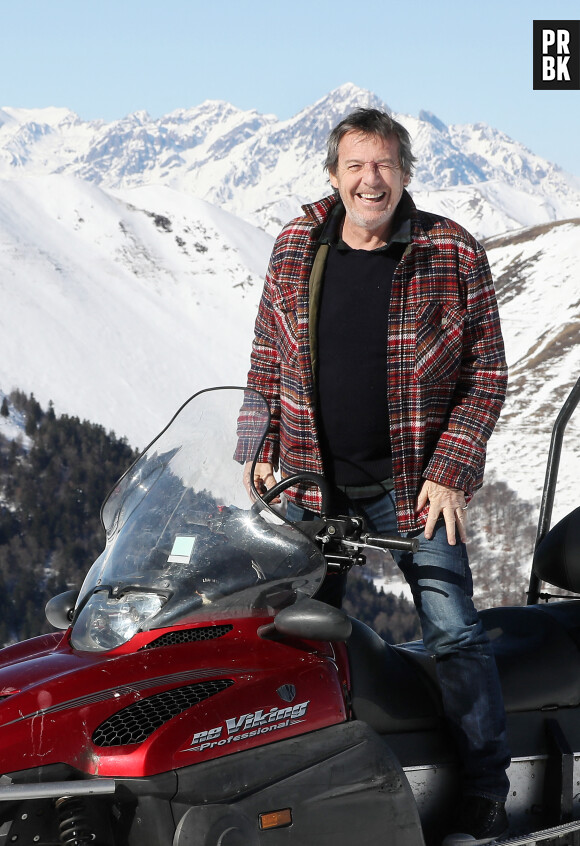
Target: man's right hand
pixel 264 478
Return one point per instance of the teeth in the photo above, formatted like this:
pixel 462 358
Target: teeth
pixel 371 196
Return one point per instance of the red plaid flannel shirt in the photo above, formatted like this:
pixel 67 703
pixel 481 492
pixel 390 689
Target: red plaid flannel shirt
pixel 446 375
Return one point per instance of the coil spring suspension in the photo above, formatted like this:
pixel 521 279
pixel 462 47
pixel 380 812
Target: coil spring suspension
pixel 73 823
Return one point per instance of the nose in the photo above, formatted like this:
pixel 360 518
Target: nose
pixel 371 172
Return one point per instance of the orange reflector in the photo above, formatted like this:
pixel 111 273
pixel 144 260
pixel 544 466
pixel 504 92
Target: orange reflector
pixel 276 819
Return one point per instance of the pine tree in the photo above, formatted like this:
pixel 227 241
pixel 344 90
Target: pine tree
pixel 50 530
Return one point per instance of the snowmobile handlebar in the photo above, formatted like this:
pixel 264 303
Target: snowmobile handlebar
pixel 391 542
pixel 348 530
pixel 349 534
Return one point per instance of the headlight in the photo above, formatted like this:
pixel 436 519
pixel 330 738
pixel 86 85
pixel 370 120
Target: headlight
pixel 107 621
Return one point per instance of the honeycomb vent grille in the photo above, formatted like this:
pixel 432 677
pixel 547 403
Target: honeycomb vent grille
pixel 137 722
pixel 188 636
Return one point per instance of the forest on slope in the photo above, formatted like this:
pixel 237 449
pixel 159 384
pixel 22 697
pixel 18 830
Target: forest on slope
pixel 51 491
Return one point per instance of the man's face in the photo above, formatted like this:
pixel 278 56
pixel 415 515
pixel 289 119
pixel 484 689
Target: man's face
pixel 369 179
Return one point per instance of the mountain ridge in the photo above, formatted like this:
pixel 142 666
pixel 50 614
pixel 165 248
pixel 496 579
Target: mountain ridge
pixel 262 169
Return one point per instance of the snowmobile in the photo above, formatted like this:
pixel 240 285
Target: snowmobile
pixel 197 693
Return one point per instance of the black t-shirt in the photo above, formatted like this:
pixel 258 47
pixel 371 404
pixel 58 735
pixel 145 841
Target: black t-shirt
pixel 353 414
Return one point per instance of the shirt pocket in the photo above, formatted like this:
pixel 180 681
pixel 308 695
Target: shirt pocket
pixel 438 342
pixel 285 305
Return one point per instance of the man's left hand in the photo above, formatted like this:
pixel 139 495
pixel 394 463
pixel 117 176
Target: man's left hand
pixel 446 502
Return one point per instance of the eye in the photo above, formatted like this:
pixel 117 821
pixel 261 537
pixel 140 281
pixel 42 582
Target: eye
pixel 354 168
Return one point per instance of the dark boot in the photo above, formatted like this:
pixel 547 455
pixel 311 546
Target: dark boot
pixel 478 821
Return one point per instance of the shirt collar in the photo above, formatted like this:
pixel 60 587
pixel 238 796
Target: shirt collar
pixel 331 230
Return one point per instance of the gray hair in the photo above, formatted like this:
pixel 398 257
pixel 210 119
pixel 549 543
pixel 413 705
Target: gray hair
pixel 370 122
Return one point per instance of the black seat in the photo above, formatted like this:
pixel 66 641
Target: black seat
pixel 389 693
pixel 537 648
pixel 538 657
pixel 557 557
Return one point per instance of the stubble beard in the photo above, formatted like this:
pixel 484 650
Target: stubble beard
pixel 371 222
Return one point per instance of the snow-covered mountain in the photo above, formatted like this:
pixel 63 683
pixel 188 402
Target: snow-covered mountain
pixel 119 309
pixel 262 169
pixel 131 264
pixel 537 280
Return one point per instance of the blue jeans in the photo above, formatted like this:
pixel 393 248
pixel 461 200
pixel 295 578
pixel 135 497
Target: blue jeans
pixel 440 580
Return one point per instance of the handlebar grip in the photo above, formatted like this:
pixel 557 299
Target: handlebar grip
pixel 392 542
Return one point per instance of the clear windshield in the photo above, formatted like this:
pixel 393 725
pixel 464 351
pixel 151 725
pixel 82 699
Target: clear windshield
pixel 182 538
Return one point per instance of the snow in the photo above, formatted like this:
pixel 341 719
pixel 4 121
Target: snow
pixel 12 427
pixel 107 315
pixel 538 282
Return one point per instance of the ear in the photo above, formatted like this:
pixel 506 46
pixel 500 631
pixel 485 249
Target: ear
pixel 333 179
pixel 406 179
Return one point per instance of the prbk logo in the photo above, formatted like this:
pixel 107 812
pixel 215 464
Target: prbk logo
pixel 557 55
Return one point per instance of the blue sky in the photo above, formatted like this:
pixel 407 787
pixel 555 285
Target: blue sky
pixel 463 60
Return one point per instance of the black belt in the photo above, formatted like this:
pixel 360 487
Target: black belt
pixel 367 491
